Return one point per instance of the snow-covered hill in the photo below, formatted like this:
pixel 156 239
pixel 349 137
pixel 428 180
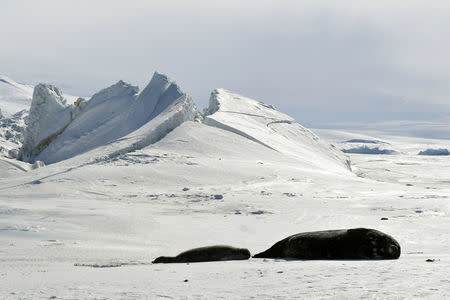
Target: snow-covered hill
pixel 14 96
pixel 263 124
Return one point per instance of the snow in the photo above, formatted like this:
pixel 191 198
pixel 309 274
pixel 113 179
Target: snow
pixel 262 124
pixel 123 212
pixel 14 96
pixel 89 224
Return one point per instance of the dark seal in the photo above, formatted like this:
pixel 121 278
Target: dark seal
pixel 358 243
pixel 203 254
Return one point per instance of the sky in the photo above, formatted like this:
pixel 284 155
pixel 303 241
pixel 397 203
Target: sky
pixel 322 62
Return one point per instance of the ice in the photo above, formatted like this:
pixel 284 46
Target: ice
pixel 49 115
pixel 11 133
pixel 120 117
pixel 368 150
pixel 435 152
pixel 363 141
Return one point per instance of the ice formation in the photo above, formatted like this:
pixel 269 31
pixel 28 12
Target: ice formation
pixel 441 151
pixel 120 112
pixel 49 116
pixel 367 150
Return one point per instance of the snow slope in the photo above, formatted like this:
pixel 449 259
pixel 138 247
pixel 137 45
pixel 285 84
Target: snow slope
pixel 59 222
pixel 14 96
pixel 262 124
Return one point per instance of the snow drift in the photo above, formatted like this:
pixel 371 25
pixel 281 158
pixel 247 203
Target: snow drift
pixel 266 126
pixel 113 113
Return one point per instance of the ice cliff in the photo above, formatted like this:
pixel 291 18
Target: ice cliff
pixel 117 113
pixel 49 116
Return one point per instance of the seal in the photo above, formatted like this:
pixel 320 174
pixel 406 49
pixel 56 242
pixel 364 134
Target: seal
pixel 203 254
pixel 357 243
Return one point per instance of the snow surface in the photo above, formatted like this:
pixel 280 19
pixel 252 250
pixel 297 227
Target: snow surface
pixel 76 230
pixel 88 225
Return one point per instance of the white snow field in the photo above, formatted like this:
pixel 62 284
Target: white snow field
pixel 88 225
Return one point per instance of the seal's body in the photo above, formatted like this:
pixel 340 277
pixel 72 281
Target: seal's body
pixel 203 254
pixel 358 243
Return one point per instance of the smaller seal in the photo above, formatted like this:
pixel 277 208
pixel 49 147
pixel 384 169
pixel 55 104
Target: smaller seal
pixel 358 243
pixel 204 254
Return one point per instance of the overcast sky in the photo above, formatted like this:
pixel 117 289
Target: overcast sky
pixel 319 61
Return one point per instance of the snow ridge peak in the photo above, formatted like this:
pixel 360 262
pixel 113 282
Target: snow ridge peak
pixel 263 124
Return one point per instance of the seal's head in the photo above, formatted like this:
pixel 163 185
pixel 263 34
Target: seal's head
pixel 244 253
pixel 377 245
pixel 162 260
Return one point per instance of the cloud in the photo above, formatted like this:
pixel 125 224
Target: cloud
pixel 317 60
